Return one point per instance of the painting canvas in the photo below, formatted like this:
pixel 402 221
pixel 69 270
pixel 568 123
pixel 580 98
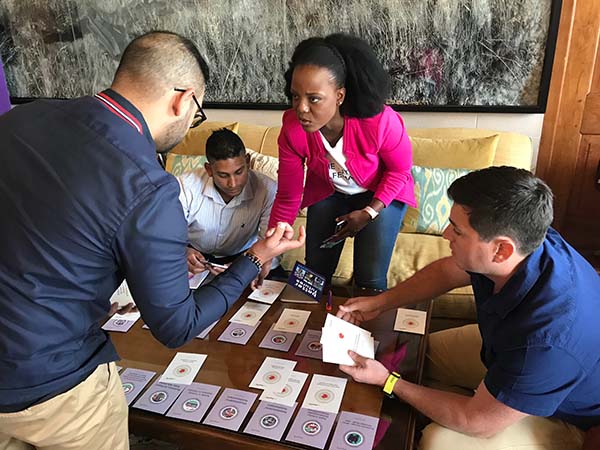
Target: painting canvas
pixel 448 54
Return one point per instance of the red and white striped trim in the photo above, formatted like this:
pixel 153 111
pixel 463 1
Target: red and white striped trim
pixel 119 111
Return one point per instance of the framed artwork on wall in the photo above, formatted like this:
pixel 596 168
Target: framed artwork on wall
pixel 442 55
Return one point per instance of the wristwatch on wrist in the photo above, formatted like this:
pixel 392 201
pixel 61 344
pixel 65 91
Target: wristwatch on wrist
pixel 371 212
pixel 388 387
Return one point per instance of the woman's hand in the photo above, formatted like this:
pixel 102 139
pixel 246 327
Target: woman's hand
pixel 355 221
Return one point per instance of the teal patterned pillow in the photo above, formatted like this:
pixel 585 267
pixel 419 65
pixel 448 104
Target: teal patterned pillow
pixel 431 186
pixel 178 164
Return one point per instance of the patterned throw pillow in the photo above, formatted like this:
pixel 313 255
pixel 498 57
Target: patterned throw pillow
pixel 431 186
pixel 178 164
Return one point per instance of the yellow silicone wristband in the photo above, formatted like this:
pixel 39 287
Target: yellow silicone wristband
pixel 388 387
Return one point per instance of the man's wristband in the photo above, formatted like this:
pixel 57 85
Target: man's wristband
pixel 254 259
pixel 388 387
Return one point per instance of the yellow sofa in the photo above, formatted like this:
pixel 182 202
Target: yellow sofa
pixel 412 250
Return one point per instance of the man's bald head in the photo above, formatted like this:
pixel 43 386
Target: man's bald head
pixel 160 61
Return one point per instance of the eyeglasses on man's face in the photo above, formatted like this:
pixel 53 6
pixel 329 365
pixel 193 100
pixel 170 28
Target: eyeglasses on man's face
pixel 199 117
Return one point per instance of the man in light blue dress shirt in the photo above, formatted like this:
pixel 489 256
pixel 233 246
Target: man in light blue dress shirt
pixel 226 204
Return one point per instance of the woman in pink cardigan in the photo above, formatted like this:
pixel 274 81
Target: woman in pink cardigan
pixel 356 152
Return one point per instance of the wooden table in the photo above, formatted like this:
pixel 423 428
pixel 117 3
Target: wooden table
pixel 234 366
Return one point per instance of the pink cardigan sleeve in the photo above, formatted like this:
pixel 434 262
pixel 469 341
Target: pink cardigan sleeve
pixel 395 152
pixel 290 176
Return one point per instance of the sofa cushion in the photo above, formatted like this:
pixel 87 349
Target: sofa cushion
pixel 431 186
pixel 194 142
pixel 178 164
pixel 455 153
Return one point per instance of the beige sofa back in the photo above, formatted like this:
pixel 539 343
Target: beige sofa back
pixel 513 149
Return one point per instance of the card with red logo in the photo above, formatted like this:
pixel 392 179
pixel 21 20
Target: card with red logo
pixel 325 393
pixel 273 374
pixel 292 321
pixel 183 368
pixel 410 321
pixel 250 313
pixel 289 393
pixel 339 336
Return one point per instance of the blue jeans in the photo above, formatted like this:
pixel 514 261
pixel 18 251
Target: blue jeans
pixel 373 245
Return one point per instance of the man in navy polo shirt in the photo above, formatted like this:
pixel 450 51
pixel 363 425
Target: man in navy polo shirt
pixel 85 204
pixel 533 359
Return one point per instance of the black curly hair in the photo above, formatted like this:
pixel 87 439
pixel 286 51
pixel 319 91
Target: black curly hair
pixel 353 64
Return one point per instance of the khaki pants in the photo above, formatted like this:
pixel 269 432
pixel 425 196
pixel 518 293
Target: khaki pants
pixel 454 364
pixel 92 415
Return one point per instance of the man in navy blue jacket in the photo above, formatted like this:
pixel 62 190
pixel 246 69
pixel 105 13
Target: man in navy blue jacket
pixel 531 364
pixel 84 205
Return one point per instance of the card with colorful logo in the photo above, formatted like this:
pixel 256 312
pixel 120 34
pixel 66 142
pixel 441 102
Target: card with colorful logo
pixel 183 368
pixel 311 428
pixel 354 431
pixel 310 345
pixel 230 409
pixel 277 340
pixel 133 381
pixel 121 322
pixel 325 393
pixel 193 402
pixel 238 333
pixel 159 397
pixel 270 420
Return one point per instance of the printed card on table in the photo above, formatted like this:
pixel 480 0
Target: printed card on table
pixel 311 428
pixel 196 280
pixel 133 381
pixel 310 345
pixel 159 397
pixel 183 368
pixel 268 292
pixel 121 322
pixel 230 409
pixel 325 393
pixel 292 321
pixel 339 336
pixel 270 420
pixel 289 393
pixel 277 340
pixel 273 373
pixel 354 431
pixel 250 313
pixel 238 333
pixel 122 295
pixel 193 402
pixel 410 321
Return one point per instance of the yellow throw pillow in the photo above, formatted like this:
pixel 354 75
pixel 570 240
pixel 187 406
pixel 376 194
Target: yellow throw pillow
pixel 471 154
pixel 194 142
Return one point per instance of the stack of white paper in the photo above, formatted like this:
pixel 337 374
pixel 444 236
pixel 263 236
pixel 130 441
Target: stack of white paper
pixel 339 336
